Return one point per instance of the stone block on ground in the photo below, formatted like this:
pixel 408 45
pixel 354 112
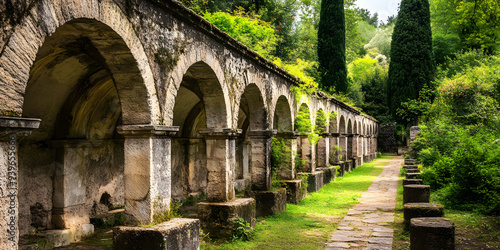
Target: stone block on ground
pixel 412 182
pixel 328 174
pixel 432 233
pixel 56 238
pixel 410 161
pixel 410 166
pixel 218 219
pixel 178 233
pixel 416 194
pixel 416 210
pixel 315 181
pixel 268 202
pixel 295 191
pixel 413 170
pixel 412 175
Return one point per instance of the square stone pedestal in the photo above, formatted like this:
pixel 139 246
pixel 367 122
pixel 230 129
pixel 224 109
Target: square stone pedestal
pixel 328 174
pixel 315 181
pixel 178 233
pixel 295 191
pixel 218 219
pixel 268 202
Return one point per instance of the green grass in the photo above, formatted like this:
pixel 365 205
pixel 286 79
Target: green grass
pixel 308 224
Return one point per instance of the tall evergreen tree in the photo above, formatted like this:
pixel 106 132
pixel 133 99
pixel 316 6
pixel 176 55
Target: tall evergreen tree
pixel 331 46
pixel 412 63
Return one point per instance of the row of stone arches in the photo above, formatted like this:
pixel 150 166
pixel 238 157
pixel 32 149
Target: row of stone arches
pixel 113 133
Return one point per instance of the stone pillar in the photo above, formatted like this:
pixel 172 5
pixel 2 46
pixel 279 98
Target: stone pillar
pixel 343 146
pixel 334 154
pixel 361 149
pixel 147 170
pixel 260 158
pixel 221 144
pixel 288 172
pixel 307 152
pixel 323 151
pixel 11 129
pixel 69 194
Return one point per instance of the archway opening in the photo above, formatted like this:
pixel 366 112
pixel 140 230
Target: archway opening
pixel 83 83
pixel 199 104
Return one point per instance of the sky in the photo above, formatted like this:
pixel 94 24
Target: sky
pixel 384 8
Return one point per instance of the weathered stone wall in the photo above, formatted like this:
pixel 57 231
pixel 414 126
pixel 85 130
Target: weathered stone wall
pixel 148 68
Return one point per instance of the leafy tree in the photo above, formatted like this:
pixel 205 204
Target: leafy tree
pixel 412 64
pixel 369 18
pixel 331 46
pixel 382 40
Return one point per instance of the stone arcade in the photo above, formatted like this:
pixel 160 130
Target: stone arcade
pixel 142 102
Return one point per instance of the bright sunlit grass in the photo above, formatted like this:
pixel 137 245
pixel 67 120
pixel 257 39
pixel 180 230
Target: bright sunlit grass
pixel 308 224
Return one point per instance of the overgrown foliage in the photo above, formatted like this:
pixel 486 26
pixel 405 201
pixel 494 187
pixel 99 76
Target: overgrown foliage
pixel 249 30
pixel 412 64
pixel 459 144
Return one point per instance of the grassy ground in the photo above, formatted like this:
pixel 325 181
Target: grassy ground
pixel 308 224
pixel 303 226
pixel 472 230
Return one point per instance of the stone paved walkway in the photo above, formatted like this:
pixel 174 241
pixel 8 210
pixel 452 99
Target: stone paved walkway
pixel 366 225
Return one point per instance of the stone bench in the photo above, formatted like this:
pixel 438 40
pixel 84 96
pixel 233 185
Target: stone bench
pixel 416 210
pixel 178 233
pixel 416 193
pixel 432 233
pixel 412 182
pixel 412 175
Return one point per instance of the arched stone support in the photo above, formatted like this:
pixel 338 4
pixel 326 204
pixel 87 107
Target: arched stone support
pixel 147 169
pixel 323 151
pixel 288 172
pixel 221 144
pixel 260 158
pixel 11 130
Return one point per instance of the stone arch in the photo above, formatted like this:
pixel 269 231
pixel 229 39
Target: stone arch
pixel 212 85
pixel 320 124
pixel 83 80
pixel 116 34
pixel 342 125
pixel 253 108
pixel 349 126
pixel 199 104
pixel 282 115
pixel 355 127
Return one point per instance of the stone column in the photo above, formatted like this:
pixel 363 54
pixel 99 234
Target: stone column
pixel 221 145
pixel 288 172
pixel 323 151
pixel 355 147
pixel 260 158
pixel 334 155
pixel 361 152
pixel 343 146
pixel 307 151
pixel 147 170
pixel 11 129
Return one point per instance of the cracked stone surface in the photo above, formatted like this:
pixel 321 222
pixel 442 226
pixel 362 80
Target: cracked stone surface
pixel 366 224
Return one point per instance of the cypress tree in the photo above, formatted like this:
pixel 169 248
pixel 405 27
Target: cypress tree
pixel 331 46
pixel 412 64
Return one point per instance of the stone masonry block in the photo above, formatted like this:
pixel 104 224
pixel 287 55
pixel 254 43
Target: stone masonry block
pixel 416 193
pixel 218 219
pixel 268 202
pixel 412 182
pixel 412 175
pixel 315 181
pixel 416 210
pixel 295 191
pixel 431 233
pixel 178 233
